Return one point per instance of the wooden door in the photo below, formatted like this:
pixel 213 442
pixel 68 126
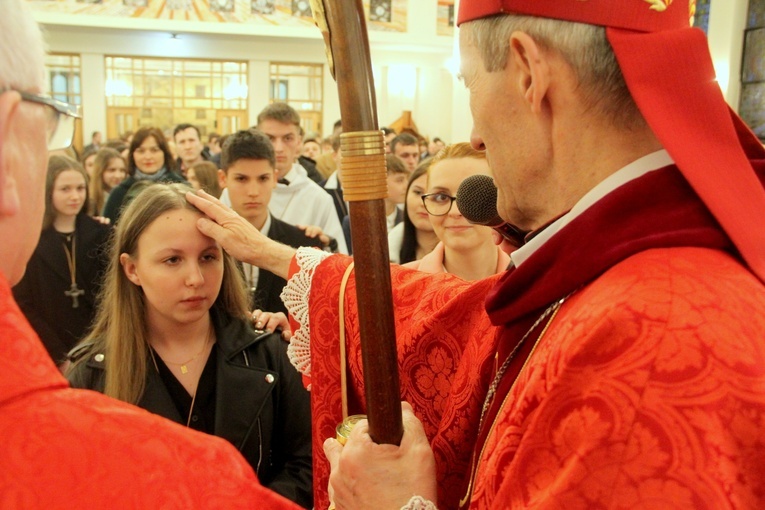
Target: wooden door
pixel 230 121
pixel 121 120
pixel 311 122
pixel 77 138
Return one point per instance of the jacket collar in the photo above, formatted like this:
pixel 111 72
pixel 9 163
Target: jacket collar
pixel 234 335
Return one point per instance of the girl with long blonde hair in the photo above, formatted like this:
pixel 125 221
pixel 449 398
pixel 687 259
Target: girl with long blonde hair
pixel 172 336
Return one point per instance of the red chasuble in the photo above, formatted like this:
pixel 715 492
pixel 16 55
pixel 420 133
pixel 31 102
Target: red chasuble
pixel 646 389
pixel 66 448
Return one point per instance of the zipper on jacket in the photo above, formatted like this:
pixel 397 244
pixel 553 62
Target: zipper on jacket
pixel 260 447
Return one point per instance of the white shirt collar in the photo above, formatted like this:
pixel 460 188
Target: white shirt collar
pixel 294 174
pixel 638 168
pixel 332 181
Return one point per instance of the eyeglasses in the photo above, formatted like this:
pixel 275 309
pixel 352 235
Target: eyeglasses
pixel 438 204
pixel 59 123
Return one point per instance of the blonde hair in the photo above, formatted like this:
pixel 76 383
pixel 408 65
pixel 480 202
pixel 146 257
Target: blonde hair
pixel 456 151
pixel 120 329
pixel 97 186
pixel 584 47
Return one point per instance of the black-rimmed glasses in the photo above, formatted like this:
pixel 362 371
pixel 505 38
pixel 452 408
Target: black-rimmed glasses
pixel 438 204
pixel 60 119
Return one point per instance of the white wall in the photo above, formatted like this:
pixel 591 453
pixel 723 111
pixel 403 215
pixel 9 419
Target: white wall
pixel 727 20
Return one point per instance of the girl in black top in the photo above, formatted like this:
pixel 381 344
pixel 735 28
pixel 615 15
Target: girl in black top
pixel 59 288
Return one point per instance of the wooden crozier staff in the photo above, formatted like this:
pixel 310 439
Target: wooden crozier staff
pixel 365 186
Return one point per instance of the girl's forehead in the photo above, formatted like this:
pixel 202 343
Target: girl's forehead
pixel 69 175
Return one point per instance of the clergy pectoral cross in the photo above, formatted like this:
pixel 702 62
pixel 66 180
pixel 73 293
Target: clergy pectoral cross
pixel 75 294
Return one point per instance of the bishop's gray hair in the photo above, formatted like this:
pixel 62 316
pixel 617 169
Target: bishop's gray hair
pixel 584 47
pixel 22 49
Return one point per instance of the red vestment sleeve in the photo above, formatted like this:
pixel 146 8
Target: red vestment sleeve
pixel 441 375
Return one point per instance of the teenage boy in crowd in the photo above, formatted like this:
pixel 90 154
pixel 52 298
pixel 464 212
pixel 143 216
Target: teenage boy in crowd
pixel 248 173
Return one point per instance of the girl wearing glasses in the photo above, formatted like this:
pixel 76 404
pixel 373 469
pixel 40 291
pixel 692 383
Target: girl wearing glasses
pixel 465 250
pixel 149 159
pixel 172 336
pixel 58 291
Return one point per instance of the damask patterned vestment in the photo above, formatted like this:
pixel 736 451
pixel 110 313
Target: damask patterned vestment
pixel 66 448
pixel 645 390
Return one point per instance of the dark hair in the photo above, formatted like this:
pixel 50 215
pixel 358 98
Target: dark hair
pixel 246 144
pixel 86 154
pixel 117 145
pixel 184 127
pixel 280 112
pixel 408 251
pixel 139 137
pixel 395 165
pixel 338 124
pixel 213 136
pixel 402 139
pixel 386 130
pixel 56 165
pixel 207 175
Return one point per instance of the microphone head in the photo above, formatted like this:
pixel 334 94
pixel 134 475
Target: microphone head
pixel 477 200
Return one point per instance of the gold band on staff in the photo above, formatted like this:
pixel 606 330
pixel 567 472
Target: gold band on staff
pixel 363 166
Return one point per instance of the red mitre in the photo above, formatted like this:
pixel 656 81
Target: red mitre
pixel 669 72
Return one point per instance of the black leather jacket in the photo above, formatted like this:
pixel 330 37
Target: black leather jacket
pixel 262 407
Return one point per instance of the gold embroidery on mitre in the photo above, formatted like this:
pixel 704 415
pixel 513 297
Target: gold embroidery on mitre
pixel 659 5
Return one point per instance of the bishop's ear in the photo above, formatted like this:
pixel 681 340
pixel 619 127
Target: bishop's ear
pixel 533 69
pixel 9 194
pixel 129 268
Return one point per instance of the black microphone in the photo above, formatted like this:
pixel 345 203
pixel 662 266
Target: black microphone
pixel 477 201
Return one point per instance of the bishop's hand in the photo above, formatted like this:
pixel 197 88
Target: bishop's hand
pixel 238 237
pixel 369 475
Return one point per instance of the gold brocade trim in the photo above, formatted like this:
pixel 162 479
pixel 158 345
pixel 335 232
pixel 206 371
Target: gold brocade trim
pixel 343 359
pixel 659 5
pixel 476 462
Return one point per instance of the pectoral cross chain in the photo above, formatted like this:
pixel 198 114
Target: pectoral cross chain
pixel 75 294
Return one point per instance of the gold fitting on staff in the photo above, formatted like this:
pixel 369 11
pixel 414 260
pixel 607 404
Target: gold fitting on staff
pixel 363 166
pixel 343 431
pixel 362 143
